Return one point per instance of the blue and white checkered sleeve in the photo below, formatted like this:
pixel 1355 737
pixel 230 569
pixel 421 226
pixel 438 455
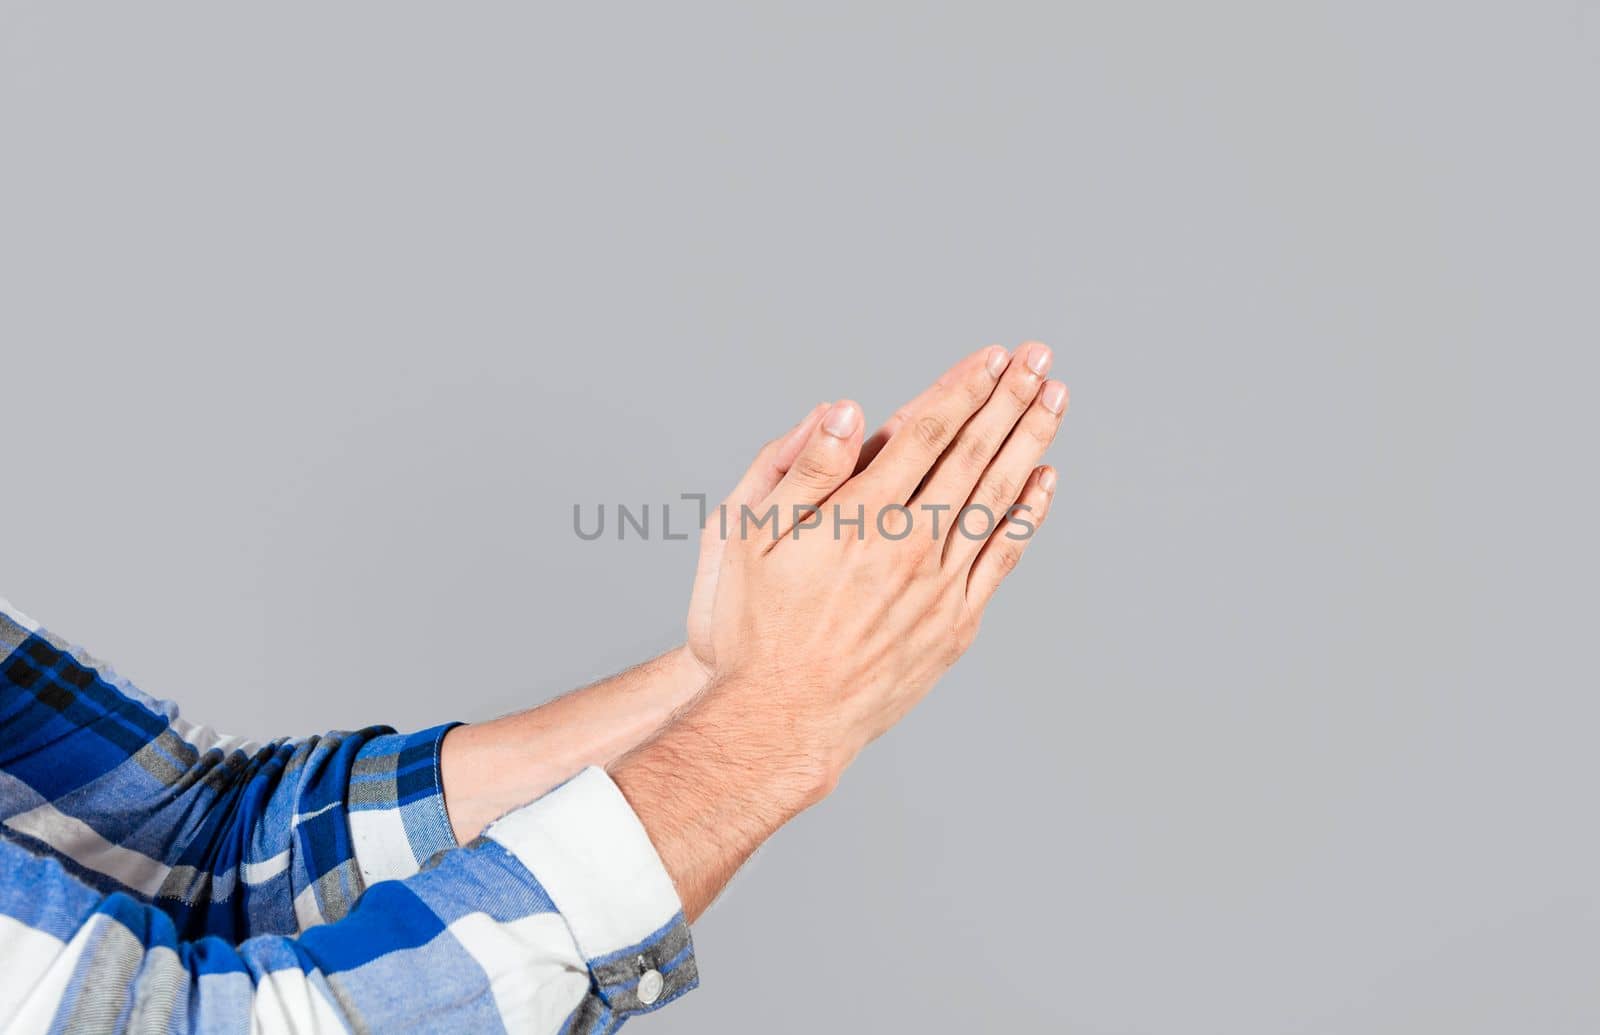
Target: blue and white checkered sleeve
pixel 229 837
pixel 559 919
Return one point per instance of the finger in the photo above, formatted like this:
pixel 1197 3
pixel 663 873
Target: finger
pixel 762 476
pixel 907 457
pixel 823 464
pixel 790 445
pixel 975 446
pixel 1001 482
pixel 1004 548
pixel 878 439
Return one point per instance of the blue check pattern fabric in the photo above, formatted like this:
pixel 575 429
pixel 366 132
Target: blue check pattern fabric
pixel 158 876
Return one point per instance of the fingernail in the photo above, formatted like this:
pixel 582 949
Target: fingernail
pixel 996 361
pixel 1054 397
pixel 1047 480
pixel 842 419
pixel 1038 358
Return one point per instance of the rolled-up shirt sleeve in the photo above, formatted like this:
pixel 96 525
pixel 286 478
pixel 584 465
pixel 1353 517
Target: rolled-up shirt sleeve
pixel 560 918
pixel 594 859
pixel 228 836
pixel 157 875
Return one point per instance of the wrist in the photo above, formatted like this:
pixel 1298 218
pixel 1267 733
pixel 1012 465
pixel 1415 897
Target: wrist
pixel 687 671
pixel 720 780
pixel 764 747
pixel 492 767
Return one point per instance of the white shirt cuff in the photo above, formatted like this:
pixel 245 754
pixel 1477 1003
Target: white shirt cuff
pixel 587 848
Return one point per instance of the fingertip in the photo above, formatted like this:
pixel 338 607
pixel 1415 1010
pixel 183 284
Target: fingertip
pixel 793 442
pixel 843 419
pixel 995 360
pixel 1047 479
pixel 1037 355
pixel 811 416
pixel 1054 396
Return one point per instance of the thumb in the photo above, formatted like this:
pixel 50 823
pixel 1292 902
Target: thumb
pixel 775 460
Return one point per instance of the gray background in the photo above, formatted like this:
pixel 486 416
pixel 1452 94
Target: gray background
pixel 317 318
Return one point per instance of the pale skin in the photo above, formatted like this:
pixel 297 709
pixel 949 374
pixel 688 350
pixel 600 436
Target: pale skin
pixel 492 767
pixel 800 651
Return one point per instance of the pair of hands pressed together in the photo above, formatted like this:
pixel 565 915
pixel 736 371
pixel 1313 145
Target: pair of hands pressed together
pixel 803 645
pixel 810 632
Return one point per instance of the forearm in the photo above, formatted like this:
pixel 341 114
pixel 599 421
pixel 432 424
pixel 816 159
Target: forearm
pixel 717 782
pixel 490 768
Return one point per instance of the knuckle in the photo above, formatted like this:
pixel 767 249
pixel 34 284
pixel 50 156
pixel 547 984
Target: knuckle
pixel 1022 389
pixel 865 577
pixel 959 637
pixel 1002 489
pixel 932 430
pixel 908 562
pixel 902 553
pixel 813 470
pixel 979 449
pixel 895 573
pixel 1042 431
pixel 1008 559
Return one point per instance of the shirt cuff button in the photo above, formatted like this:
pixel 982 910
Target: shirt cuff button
pixel 650 985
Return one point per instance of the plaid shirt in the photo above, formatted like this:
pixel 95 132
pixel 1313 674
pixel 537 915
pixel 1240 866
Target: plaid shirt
pixel 157 876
